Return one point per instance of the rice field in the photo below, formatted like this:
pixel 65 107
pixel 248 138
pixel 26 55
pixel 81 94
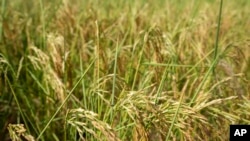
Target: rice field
pixel 117 70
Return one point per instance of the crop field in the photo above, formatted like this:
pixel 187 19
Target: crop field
pixel 123 70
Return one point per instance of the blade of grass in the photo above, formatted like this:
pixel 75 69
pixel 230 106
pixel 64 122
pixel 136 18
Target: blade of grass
pixel 161 85
pixel 172 65
pixel 216 58
pixel 38 83
pixel 97 53
pixel 203 82
pixel 43 24
pixel 217 36
pixel 118 47
pixel 114 78
pixel 66 99
pixel 18 104
pixel 83 84
pixel 34 125
pixel 140 59
pixel 2 17
pixel 177 110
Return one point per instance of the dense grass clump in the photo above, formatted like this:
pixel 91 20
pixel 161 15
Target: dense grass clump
pixel 123 70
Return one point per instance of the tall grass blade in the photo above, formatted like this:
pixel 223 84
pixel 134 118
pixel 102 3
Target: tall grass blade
pixel 66 99
pixel 216 45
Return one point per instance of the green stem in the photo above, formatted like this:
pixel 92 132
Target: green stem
pixel 66 99
pixel 217 36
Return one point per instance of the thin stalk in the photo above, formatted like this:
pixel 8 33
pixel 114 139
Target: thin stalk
pixel 1 20
pixel 215 60
pixel 118 47
pixel 139 63
pixel 217 35
pixel 34 125
pixel 83 85
pixel 114 83
pixel 18 104
pixel 43 24
pixel 64 102
pixel 97 53
pixel 174 65
pixel 203 82
pixel 177 110
pixel 161 85
pixel 114 76
pixel 97 70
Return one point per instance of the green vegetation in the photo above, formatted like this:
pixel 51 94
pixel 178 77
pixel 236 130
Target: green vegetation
pixel 123 70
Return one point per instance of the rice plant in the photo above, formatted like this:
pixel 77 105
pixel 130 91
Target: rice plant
pixel 123 70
